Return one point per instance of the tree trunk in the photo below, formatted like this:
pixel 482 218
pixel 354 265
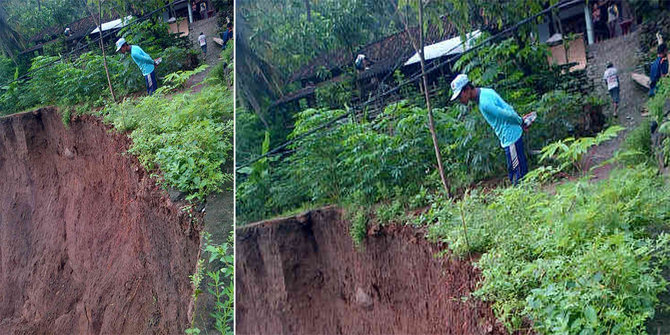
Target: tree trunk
pixel 309 11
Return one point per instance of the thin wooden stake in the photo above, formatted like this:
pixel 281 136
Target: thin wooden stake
pixel 102 47
pixel 431 122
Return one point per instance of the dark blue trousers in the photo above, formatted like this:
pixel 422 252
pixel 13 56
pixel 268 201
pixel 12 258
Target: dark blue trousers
pixel 517 166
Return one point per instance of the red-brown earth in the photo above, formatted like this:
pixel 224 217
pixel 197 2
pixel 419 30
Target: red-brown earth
pixel 89 244
pixel 303 275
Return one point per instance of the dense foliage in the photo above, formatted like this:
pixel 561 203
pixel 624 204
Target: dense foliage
pixel 187 136
pixel 30 17
pixel 656 106
pixel 301 30
pixel 56 80
pixel 370 160
pixel 580 261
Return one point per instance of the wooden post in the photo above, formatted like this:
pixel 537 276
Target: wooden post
pixel 102 46
pixel 431 123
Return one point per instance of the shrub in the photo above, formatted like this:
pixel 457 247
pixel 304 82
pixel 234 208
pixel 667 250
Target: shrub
pixel 577 262
pixel 189 137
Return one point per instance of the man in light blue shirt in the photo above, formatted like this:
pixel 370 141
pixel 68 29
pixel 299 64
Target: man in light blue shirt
pixel 146 64
pixel 506 123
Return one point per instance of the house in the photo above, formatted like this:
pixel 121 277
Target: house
pixel 574 16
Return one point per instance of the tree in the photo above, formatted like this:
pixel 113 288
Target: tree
pixel 10 40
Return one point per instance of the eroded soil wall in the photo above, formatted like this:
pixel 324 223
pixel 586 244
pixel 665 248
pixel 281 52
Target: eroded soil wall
pixel 88 243
pixel 302 275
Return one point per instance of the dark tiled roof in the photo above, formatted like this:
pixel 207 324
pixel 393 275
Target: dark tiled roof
pixel 78 29
pixel 385 53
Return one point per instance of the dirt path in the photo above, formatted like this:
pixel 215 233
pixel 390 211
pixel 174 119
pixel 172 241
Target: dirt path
pixel 211 30
pixel 623 53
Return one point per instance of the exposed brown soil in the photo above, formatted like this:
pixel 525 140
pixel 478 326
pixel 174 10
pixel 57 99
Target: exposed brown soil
pixel 89 244
pixel 303 275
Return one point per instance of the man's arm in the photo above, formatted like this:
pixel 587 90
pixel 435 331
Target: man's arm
pixel 143 57
pixel 505 111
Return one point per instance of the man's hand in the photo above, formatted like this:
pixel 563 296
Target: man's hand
pixel 528 120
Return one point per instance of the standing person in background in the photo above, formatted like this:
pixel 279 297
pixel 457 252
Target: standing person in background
pixel 227 34
pixel 595 17
pixel 202 39
pixel 203 10
pixel 194 10
pixel 146 64
pixel 612 18
pixel 611 77
pixel 506 123
pixel 659 68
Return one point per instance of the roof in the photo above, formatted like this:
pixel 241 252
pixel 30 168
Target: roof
pixel 78 29
pixel 115 24
pixel 384 53
pixel 451 46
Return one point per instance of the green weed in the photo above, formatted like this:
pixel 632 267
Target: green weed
pixel 189 137
pixel 576 262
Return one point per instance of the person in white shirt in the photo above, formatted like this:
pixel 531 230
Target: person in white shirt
pixel 611 77
pixel 203 43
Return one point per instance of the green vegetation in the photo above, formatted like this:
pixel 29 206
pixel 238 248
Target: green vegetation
pixel 571 152
pixel 83 80
pixel 580 261
pixel 218 274
pixel 656 106
pixel 187 136
pixel 556 256
pixel 366 160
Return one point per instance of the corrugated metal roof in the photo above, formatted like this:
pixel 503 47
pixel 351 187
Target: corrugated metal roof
pixel 118 23
pixel 451 46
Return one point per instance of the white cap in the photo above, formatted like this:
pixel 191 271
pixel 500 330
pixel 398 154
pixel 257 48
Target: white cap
pixel 457 85
pixel 120 43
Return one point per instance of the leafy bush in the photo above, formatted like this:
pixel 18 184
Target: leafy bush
pixel 189 137
pixel 570 152
pixel 336 94
pixel 81 81
pixel 638 144
pixel 220 283
pixel 7 69
pixel 577 262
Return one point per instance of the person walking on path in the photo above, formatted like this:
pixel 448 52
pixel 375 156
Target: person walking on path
pixel 506 123
pixel 202 39
pixel 611 77
pixel 659 68
pixel 146 64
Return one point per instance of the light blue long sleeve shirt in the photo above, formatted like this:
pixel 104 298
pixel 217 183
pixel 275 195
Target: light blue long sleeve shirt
pixel 142 59
pixel 500 116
